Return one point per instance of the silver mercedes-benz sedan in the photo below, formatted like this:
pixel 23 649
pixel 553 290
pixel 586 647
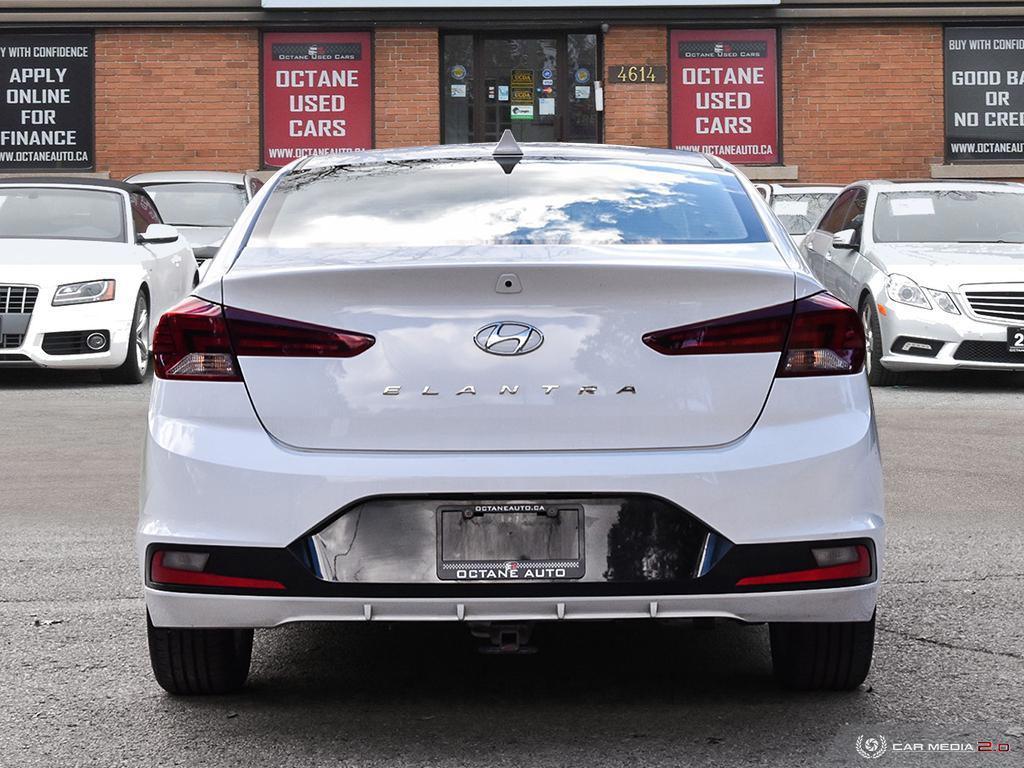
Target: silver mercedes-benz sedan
pixel 935 268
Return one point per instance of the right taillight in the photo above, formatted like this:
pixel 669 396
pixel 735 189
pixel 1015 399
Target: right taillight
pixel 200 341
pixel 826 339
pixel 816 336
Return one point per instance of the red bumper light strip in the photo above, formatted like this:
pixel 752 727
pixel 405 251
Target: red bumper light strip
pixel 855 570
pixel 174 576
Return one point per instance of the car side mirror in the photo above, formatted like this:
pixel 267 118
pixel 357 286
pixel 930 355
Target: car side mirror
pixel 846 240
pixel 158 234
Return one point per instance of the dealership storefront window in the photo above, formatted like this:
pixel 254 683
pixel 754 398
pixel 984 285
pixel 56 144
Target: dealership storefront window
pixel 544 87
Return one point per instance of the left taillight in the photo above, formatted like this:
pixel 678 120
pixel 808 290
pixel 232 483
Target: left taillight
pixel 192 343
pixel 201 341
pixel 257 335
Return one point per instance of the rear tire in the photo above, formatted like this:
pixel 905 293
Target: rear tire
pixel 878 374
pixel 136 360
pixel 189 662
pixel 830 656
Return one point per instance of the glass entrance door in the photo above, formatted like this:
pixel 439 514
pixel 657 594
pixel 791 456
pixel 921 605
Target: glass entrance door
pixel 542 88
pixel 519 76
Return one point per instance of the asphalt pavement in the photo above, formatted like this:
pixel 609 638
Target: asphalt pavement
pixel 76 689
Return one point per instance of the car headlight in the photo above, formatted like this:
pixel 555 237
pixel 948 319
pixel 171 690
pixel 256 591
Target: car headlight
pixel 902 289
pixel 943 301
pixel 84 293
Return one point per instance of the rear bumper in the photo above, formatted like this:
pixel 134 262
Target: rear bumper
pixel 176 609
pixel 808 471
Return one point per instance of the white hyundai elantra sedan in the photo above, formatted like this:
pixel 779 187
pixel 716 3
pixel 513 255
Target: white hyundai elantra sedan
pixel 503 386
pixel 84 265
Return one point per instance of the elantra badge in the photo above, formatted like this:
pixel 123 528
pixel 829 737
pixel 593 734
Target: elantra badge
pixel 508 338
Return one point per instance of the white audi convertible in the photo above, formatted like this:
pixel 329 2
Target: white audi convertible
pixel 508 385
pixel 84 265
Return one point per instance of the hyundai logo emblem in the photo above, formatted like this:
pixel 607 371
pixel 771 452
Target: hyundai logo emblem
pixel 508 338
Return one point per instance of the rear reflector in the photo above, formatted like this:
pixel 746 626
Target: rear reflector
pixel 160 572
pixel 185 561
pixel 849 563
pixel 200 341
pixel 817 336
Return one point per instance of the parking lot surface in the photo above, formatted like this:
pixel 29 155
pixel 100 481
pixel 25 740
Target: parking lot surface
pixel 77 689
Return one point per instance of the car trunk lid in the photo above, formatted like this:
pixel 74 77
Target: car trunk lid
pixel 584 379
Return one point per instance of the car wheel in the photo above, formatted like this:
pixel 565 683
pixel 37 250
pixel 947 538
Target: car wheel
pixel 878 374
pixel 190 662
pixel 136 363
pixel 832 656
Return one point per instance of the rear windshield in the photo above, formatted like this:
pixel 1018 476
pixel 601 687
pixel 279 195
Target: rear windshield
pixel 473 202
pixel 198 204
pixel 798 212
pixel 61 214
pixel 949 216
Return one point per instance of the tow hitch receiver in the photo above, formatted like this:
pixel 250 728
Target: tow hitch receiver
pixel 503 639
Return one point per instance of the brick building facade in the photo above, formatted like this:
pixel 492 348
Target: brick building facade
pixel 861 88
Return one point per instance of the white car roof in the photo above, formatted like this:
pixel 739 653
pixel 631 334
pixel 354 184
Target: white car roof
pixel 882 185
pixel 178 177
pixel 545 150
pixel 799 189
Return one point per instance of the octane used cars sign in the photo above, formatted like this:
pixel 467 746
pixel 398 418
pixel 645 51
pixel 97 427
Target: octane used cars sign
pixel 984 93
pixel 317 94
pixel 46 107
pixel 725 93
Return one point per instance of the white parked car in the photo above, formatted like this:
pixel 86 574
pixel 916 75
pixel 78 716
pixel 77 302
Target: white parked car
pixel 202 205
pixel 555 383
pixel 800 206
pixel 935 268
pixel 84 266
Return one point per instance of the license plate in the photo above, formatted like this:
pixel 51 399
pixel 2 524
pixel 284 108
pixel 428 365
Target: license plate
pixel 510 542
pixel 1015 339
